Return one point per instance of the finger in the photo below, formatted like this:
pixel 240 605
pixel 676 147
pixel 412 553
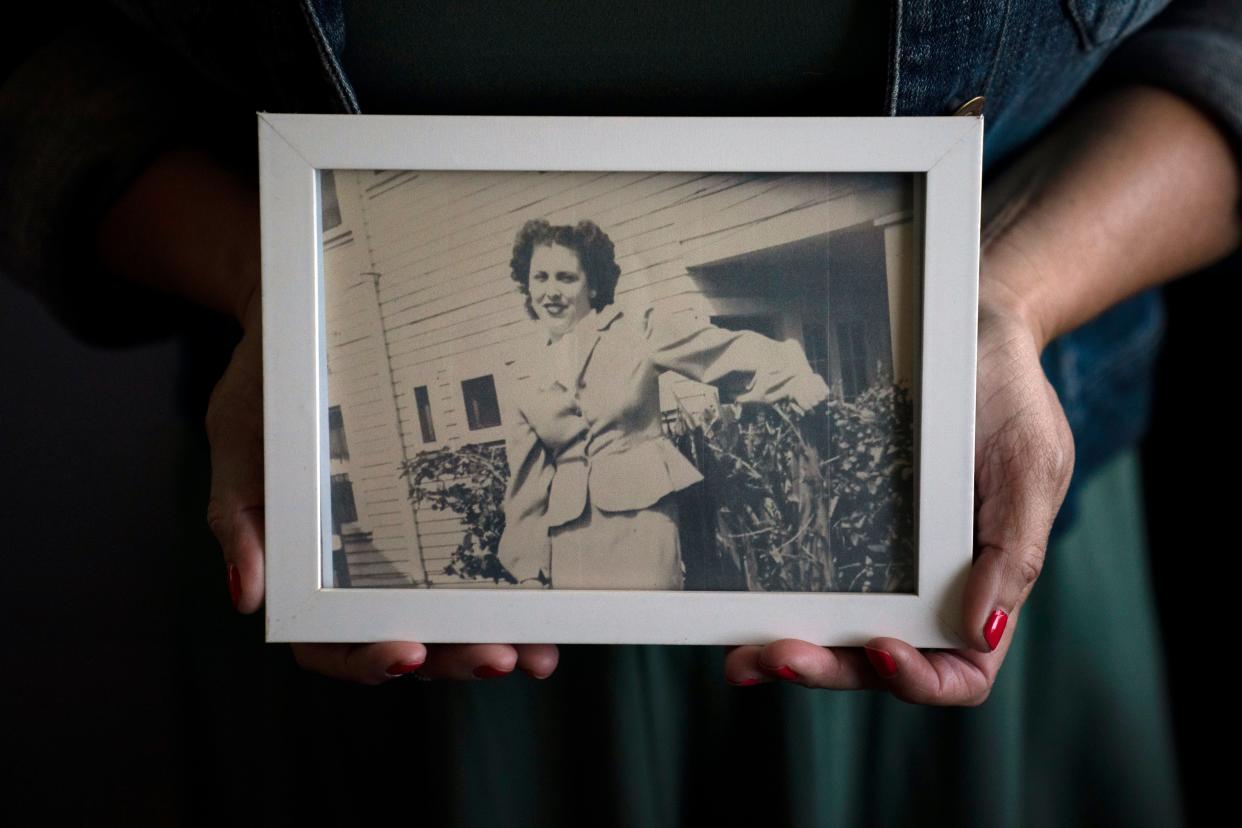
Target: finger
pixel 537 660
pixel 235 510
pixel 741 666
pixel 1025 471
pixel 465 662
pixel 835 668
pixel 1001 579
pixel 934 677
pixel 990 597
pixel 362 663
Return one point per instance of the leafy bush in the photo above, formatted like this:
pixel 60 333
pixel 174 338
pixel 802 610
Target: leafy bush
pixel 766 490
pixel 871 466
pixel 821 502
pixel 470 482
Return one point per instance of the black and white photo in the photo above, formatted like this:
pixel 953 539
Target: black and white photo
pixel 618 380
pixel 604 380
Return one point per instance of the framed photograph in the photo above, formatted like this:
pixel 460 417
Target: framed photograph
pixel 619 380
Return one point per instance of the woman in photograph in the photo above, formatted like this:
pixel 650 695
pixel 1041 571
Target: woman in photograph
pixel 591 497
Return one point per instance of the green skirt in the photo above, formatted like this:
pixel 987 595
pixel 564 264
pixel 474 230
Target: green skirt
pixel 1075 732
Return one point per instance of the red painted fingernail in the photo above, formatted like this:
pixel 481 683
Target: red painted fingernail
pixel 882 662
pixel 403 668
pixel 234 585
pixel 780 672
pixel 746 682
pixel 487 671
pixel 995 628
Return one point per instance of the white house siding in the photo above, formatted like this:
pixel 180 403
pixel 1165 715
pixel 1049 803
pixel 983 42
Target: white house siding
pixel 443 308
pixel 358 383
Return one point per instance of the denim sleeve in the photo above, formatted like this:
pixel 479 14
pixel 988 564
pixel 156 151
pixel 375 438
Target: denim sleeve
pixel 81 119
pixel 1194 49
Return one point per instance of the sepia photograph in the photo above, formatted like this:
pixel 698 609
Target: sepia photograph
pixel 620 380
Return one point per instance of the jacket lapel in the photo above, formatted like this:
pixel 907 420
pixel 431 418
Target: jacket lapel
pixel 591 334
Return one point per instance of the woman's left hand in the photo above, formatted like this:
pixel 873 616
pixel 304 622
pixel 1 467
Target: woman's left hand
pixel 1024 456
pixel 1133 188
pixel 806 392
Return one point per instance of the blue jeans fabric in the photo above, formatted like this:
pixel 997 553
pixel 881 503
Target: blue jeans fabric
pixel 1030 59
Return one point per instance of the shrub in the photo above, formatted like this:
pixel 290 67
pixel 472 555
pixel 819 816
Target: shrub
pixel 871 466
pixel 470 482
pixel 764 486
pixel 821 502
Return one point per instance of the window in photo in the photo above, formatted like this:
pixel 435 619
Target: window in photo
pixel 338 448
pixel 482 407
pixel 426 425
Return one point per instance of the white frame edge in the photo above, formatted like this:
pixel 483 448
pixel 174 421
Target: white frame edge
pixel 293 148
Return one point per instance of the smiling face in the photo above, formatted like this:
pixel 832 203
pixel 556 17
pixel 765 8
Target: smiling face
pixel 559 292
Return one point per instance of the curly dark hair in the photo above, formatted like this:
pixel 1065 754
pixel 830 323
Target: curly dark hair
pixel 595 252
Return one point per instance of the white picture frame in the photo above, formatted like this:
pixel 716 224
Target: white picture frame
pixel 946 152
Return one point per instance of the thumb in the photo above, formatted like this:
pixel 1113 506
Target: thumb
pixel 234 425
pixel 1022 474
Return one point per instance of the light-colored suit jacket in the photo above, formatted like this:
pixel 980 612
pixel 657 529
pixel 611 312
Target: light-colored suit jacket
pixel 600 441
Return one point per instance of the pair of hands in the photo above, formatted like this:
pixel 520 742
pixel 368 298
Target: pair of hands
pixel 1130 191
pixel 1023 461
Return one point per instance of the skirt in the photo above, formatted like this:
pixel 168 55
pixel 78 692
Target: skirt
pixel 1075 732
pixel 619 550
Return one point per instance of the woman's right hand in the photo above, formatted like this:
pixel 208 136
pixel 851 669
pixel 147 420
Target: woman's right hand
pixel 235 514
pixel 154 235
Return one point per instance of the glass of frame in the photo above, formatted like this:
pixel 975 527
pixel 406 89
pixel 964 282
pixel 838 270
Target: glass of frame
pixel 618 379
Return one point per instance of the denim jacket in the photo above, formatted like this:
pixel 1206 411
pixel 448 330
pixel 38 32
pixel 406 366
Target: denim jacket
pixel 120 80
